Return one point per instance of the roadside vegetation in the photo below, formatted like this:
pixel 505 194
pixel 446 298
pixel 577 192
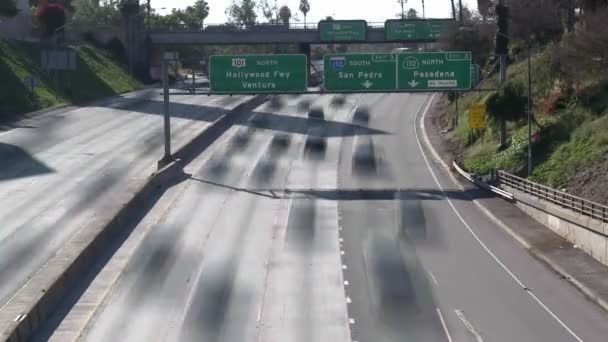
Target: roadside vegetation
pixel 97 75
pixel 569 99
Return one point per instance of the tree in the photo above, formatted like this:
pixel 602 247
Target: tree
pixel 402 3
pixel 8 8
pixel 285 14
pixel 270 12
pixel 128 7
pixel 483 6
pixel 242 13
pixel 412 14
pixel 201 11
pixel 539 20
pixel 304 8
pixel 52 18
pixel 583 54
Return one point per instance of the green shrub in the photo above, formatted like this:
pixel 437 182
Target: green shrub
pixel 510 102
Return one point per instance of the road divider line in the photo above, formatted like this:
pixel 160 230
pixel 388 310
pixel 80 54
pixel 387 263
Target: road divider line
pixel 468 227
pixel 433 278
pixel 445 327
pixel 468 325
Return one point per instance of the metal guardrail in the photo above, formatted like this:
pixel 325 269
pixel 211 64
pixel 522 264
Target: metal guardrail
pixel 471 178
pixel 577 204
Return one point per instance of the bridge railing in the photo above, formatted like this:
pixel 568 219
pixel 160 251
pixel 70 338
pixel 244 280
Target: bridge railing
pixel 253 28
pixel 577 204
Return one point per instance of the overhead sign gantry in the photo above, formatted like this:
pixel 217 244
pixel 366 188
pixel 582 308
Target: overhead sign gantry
pixel 382 72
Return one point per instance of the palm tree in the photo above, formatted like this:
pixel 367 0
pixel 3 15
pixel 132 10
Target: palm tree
pixel 304 8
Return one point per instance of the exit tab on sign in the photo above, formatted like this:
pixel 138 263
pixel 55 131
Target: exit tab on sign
pixel 434 71
pixel 252 74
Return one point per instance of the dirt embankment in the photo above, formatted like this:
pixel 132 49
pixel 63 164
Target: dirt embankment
pixel 590 182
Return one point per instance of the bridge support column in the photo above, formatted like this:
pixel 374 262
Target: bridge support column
pixel 304 48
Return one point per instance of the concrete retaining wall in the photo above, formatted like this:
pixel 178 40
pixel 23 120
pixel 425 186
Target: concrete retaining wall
pixel 586 233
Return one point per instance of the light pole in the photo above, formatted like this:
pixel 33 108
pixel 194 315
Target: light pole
pixel 423 10
pixel 529 107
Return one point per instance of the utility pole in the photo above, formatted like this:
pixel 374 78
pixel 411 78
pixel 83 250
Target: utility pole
pixel 423 10
pixel 530 161
pixel 502 50
pixel 460 6
pixel 149 9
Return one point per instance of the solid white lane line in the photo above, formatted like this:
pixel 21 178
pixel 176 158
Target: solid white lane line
pixel 445 327
pixel 433 278
pixel 468 324
pixel 483 245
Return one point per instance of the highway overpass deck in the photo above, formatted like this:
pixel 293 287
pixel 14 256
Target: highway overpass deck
pixel 275 36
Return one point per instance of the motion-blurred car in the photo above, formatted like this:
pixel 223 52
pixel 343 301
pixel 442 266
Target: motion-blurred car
pixel 316 141
pixel 316 114
pixel 280 141
pixel 361 116
pixel 364 156
pixel 387 274
pixel 338 100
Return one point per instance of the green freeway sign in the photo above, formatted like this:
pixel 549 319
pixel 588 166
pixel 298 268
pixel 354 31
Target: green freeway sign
pixel 415 29
pixel 360 72
pixel 434 71
pixel 342 30
pixel 234 74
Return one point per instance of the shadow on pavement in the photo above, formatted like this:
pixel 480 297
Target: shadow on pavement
pixel 18 163
pixel 403 195
pixel 302 125
pixel 120 232
pixel 184 110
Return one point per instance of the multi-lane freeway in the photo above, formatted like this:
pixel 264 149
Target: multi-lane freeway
pixel 290 228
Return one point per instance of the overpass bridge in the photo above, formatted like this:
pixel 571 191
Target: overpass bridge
pixel 267 34
pixel 325 32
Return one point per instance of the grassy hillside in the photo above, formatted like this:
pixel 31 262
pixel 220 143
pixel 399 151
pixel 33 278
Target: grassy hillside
pixel 572 132
pixel 97 76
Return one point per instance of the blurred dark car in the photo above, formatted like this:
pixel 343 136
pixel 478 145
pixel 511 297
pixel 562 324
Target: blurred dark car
pixel 361 116
pixel 316 114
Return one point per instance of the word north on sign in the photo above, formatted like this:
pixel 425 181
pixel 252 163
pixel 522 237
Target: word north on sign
pixel 233 74
pixel 360 72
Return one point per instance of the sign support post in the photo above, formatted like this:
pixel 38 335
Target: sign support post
pixel 166 116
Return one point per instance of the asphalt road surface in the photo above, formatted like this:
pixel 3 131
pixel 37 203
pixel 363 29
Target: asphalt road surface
pixel 63 170
pixel 291 229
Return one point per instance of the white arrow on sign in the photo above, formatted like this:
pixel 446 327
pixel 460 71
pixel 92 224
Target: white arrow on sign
pixel 367 84
pixel 413 83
